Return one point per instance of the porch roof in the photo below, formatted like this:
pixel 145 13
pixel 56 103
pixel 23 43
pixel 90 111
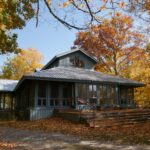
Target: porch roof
pixel 7 85
pixel 78 75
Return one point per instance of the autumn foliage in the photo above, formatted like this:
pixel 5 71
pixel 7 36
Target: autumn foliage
pixel 23 63
pixel 140 71
pixel 114 43
pixel 120 51
pixel 132 134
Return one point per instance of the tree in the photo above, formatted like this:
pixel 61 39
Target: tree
pixel 140 71
pixel 13 15
pixel 93 10
pixel 114 43
pixel 23 63
pixel 77 14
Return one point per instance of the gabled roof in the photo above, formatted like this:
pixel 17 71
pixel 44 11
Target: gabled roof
pixel 67 53
pixel 7 85
pixel 78 75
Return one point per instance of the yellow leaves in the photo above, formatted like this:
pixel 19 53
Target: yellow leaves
pixel 7 145
pixel 140 71
pixel 105 1
pixel 66 4
pixel 23 63
pixel 49 2
pixel 118 14
pixel 103 8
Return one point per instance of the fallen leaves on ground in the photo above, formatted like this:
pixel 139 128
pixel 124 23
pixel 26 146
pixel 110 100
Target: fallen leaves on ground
pixel 133 134
pixel 5 145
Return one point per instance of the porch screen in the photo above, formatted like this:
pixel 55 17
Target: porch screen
pixel 130 96
pixel 42 94
pixel 82 92
pixel 107 95
pixel 92 94
pixel 123 96
pixel 54 101
pixel 6 101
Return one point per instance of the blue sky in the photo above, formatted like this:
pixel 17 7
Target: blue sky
pixel 49 39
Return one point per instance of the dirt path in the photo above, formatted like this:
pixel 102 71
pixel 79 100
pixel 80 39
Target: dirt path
pixel 16 139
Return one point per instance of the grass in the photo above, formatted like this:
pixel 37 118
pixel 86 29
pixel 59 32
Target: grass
pixel 129 134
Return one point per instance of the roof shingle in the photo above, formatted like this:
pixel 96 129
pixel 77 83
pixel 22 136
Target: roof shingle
pixel 77 74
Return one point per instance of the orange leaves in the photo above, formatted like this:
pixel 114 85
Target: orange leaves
pixel 125 134
pixel 102 7
pixel 67 3
pixel 113 43
pixel 49 2
pixel 118 14
pixel 141 72
pixel 6 145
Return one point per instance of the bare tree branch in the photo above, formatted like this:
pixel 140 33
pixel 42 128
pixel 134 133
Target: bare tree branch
pixel 68 25
pixel 37 13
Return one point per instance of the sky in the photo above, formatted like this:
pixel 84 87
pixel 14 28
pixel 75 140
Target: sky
pixel 49 39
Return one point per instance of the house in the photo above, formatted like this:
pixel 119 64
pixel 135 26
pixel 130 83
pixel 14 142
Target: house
pixel 68 81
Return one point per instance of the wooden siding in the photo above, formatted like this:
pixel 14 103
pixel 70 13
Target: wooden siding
pixel 40 113
pixel 65 61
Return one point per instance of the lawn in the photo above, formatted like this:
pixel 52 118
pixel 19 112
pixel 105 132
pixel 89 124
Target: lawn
pixel 131 134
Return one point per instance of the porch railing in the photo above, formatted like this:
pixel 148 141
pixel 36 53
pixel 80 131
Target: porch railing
pixel 61 102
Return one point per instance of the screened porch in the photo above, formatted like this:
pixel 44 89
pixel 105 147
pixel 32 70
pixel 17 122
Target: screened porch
pixel 103 96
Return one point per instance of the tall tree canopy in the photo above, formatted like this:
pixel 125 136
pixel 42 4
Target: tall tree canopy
pixel 24 62
pixel 13 15
pixel 140 71
pixel 114 43
pixel 77 14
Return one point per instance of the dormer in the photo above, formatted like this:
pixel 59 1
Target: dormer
pixel 77 58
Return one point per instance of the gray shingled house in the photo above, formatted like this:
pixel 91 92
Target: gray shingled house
pixel 68 81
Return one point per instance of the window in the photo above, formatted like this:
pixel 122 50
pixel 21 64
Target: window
pixel 42 94
pixel 110 95
pixel 67 95
pixel 92 91
pixel 2 104
pixel 6 101
pixel 76 62
pixel 92 94
pixel 103 94
pixel 130 96
pixel 123 96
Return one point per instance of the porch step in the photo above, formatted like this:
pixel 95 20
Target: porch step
pixel 117 118
pixel 106 118
pixel 113 123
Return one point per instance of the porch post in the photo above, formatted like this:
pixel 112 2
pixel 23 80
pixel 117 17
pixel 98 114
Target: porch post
pixel 36 95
